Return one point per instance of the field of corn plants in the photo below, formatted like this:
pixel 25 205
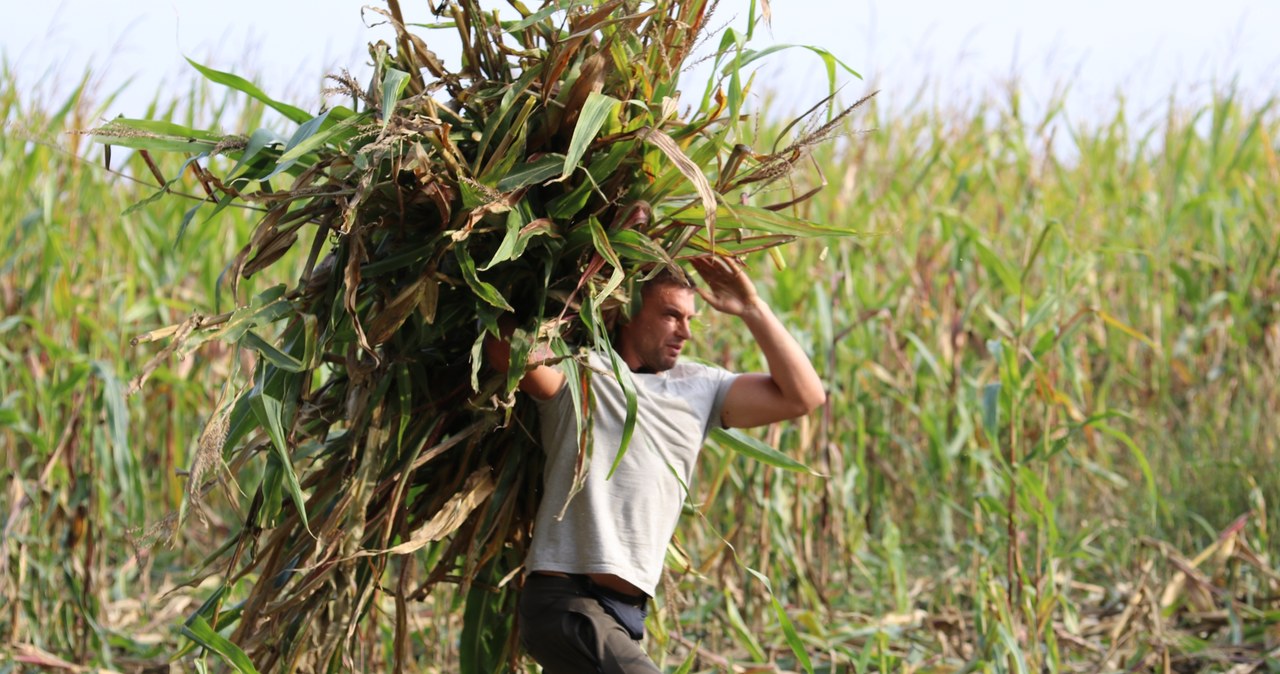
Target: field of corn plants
pixel 1051 348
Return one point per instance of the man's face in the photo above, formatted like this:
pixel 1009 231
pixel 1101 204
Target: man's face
pixel 652 340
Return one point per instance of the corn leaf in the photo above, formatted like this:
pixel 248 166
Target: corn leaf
pixel 199 631
pixel 752 448
pixel 756 219
pixel 159 136
pixel 272 354
pixel 788 627
pixel 270 412
pixel 595 112
pixel 393 85
pixel 483 290
pixel 248 88
pixel 537 171
pixel 304 140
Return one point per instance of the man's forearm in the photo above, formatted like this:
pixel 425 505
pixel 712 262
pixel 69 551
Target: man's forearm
pixel 539 381
pixel 789 366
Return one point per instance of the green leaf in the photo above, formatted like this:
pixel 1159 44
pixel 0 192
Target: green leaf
pixel 240 421
pixel 331 135
pixel 508 245
pixel 258 140
pixel 788 628
pixel 272 354
pixel 993 264
pixel 199 631
pixel 545 12
pixel 622 372
pixel 1153 494
pixel 829 60
pixel 270 412
pixel 927 355
pixel 472 196
pixel 1035 252
pixel 311 355
pixel 186 220
pixel 991 409
pixel 272 479
pixel 755 449
pixel 540 170
pixel 633 245
pixel 483 290
pixel 393 84
pixel 568 205
pixel 1011 645
pixel 487 621
pixel 9 417
pixel 747 637
pixel 304 140
pixel 601 242
pixel 122 459
pixel 266 307
pixel 248 88
pixel 510 132
pixel 594 113
pixel 161 136
pixel 763 220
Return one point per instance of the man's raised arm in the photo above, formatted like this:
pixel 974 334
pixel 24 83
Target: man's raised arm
pixel 792 387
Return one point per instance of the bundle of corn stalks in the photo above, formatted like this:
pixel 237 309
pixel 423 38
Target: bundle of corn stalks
pixel 539 180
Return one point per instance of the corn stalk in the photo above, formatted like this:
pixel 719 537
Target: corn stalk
pixel 540 179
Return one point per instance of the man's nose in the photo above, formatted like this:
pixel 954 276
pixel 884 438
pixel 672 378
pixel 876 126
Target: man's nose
pixel 684 331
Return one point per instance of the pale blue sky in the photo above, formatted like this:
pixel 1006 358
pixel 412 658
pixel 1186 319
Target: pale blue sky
pixel 953 51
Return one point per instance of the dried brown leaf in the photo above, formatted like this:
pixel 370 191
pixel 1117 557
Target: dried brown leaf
pixel 478 488
pixel 690 170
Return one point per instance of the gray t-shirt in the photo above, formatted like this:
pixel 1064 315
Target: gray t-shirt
pixel 621 525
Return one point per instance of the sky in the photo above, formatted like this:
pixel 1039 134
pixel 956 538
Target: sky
pixel 932 52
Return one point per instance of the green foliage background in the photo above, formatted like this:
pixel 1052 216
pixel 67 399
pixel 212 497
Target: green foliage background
pixel 1052 363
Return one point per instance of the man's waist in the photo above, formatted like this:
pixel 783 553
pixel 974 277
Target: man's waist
pixel 603 583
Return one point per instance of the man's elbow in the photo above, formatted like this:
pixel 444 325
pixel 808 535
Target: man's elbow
pixel 819 399
pixel 806 402
pixel 812 401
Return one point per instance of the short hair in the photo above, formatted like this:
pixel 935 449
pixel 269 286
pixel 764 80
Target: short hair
pixel 668 275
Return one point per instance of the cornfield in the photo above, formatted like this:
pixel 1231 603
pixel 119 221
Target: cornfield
pixel 1048 444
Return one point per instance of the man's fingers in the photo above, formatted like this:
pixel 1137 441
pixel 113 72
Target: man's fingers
pixel 704 263
pixel 705 267
pixel 715 265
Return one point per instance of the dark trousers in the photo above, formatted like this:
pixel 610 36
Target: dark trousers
pixel 565 629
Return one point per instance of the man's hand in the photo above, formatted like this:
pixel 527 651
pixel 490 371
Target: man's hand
pixel 729 290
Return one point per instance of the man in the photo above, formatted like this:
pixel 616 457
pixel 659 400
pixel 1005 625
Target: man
pixel 597 553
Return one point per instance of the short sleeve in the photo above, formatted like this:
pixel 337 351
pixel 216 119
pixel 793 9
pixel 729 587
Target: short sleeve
pixel 723 380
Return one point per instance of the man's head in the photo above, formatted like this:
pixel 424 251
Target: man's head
pixel 652 339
